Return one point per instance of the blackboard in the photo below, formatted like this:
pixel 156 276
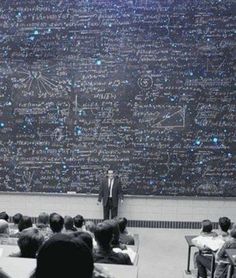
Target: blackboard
pixel 142 86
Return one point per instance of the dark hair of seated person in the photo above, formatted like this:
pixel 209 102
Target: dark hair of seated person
pixel 224 223
pixel 16 218
pixel 69 223
pixel 4 216
pixel 78 221
pixel 122 222
pixel 56 222
pixel 206 226
pixel 104 234
pixel 43 218
pixel 86 237
pixel 25 222
pixel 61 256
pixel 29 242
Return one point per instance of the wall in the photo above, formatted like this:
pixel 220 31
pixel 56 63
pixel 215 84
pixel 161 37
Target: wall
pixel 134 208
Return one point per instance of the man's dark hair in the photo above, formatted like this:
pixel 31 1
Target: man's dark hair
pixel 16 218
pixel 4 216
pixel 122 221
pixel 25 222
pixel 29 241
pixel 61 256
pixel 56 222
pixel 86 237
pixel 224 223
pixel 206 226
pixel 68 223
pixel 78 221
pixel 43 218
pixel 104 234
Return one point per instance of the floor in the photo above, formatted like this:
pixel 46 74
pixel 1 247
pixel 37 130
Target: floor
pixel 163 252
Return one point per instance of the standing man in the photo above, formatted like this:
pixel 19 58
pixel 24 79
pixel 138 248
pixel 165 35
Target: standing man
pixel 110 192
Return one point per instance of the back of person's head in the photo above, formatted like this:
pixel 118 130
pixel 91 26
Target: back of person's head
pixel 104 233
pixel 29 241
pixel 206 226
pixel 90 226
pixel 86 237
pixel 68 223
pixel 122 221
pixel 61 256
pixel 116 230
pixel 25 222
pixel 78 221
pixel 224 223
pixel 4 216
pixel 4 226
pixel 56 222
pixel 43 218
pixel 16 218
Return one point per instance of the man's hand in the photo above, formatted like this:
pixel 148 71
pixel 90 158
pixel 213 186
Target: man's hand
pixel 98 203
pixel 121 201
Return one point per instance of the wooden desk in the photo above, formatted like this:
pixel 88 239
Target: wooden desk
pixel 22 268
pixel 6 250
pixel 121 271
pixel 190 245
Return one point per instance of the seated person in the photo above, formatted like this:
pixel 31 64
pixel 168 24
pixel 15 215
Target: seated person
pixel 4 234
pixel 24 223
pixel 90 228
pixel 14 227
pixel 43 225
pixel 125 237
pixel 61 256
pixel 221 258
pixel 29 243
pixel 56 222
pixel 104 253
pixel 116 235
pixel 203 261
pixel 69 225
pixel 4 216
pixel 79 222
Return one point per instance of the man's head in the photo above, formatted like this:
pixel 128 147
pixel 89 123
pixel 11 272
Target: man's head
pixel 122 221
pixel 68 223
pixel 206 226
pixel 56 222
pixel 16 218
pixel 62 256
pixel 78 221
pixel 4 216
pixel 224 223
pixel 4 227
pixel 29 242
pixel 110 173
pixel 104 234
pixel 90 226
pixel 24 223
pixel 43 218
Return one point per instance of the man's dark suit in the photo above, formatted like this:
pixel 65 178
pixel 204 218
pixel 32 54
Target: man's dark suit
pixel 110 203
